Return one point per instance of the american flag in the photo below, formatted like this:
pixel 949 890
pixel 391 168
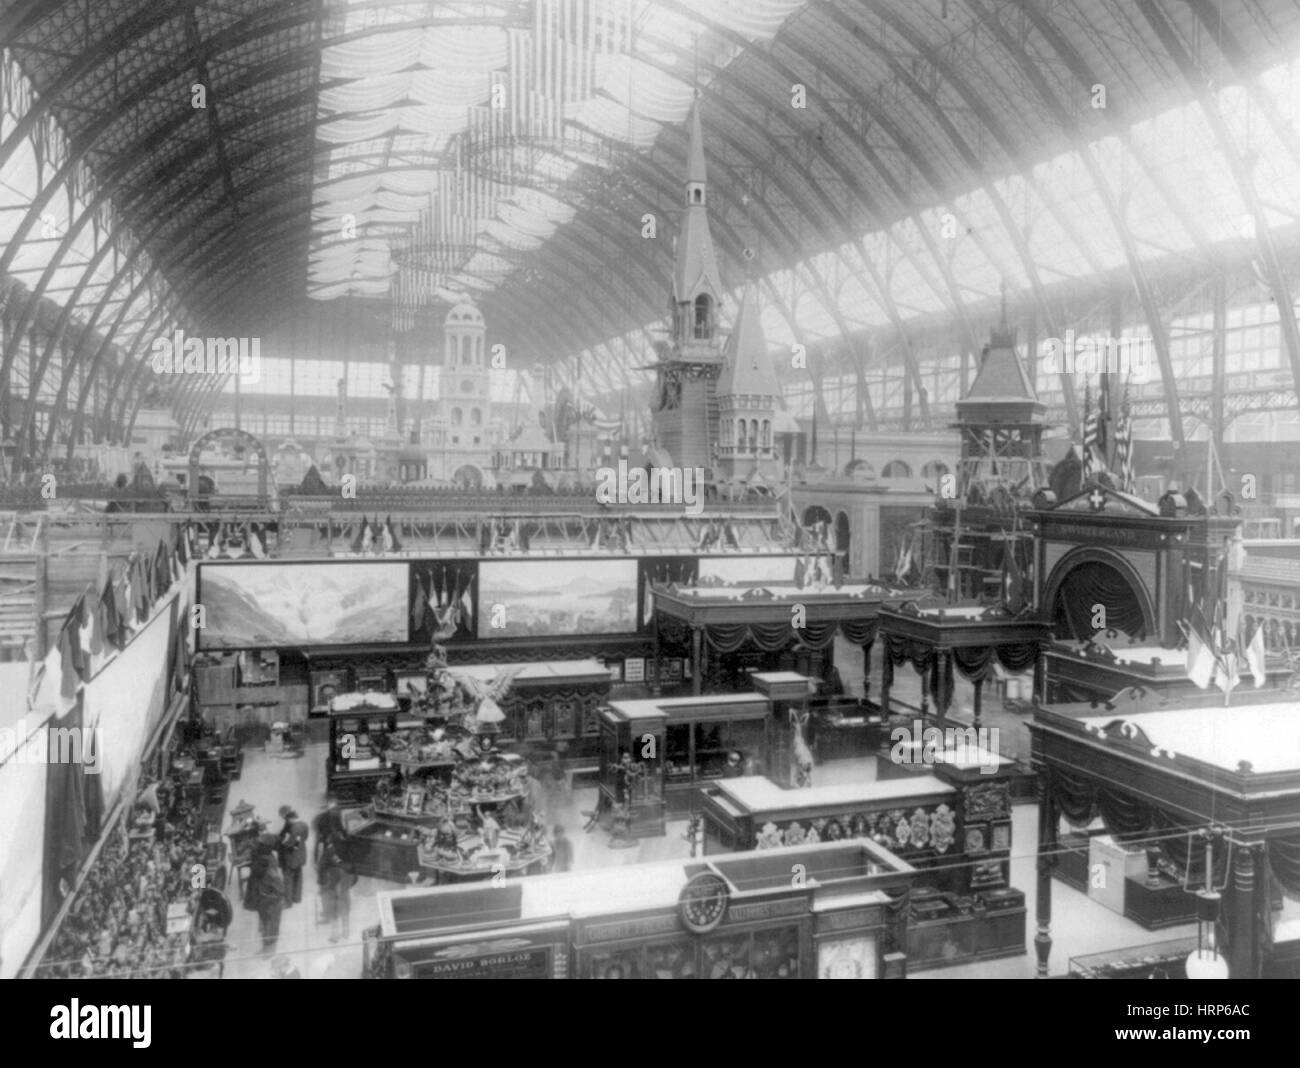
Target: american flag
pixel 1124 445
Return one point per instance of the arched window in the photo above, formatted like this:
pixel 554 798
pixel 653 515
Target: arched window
pixel 703 316
pixel 740 435
pixel 896 469
pixel 753 434
pixel 697 195
pixel 457 417
pixel 934 469
pixel 475 417
pixel 767 433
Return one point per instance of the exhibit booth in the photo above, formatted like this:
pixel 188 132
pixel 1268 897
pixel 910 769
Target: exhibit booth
pixel 831 911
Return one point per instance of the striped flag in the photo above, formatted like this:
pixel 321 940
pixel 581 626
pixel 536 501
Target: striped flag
pixel 1089 434
pixel 1124 445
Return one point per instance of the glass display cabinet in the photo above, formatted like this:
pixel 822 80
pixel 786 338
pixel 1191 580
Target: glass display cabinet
pixel 632 766
pixel 701 736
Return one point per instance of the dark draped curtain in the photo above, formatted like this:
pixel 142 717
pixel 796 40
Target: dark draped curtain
pixel 769 637
pixel 1018 658
pixel 859 631
pixel 67 840
pixel 1074 796
pixel 975 662
pixel 1284 860
pixel 1080 800
pixel 1124 816
pixel 900 649
pixel 1095 583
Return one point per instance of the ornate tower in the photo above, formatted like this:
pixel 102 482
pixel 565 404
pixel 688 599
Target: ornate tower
pixel 461 433
pixel 686 415
pixel 748 399
pixel 1001 425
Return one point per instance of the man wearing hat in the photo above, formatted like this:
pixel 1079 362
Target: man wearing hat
pixel 293 854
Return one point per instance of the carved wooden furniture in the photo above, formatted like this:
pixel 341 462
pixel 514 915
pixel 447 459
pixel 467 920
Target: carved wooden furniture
pixel 1154 771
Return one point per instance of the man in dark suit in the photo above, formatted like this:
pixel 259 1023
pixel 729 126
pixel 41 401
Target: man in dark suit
pixel 293 854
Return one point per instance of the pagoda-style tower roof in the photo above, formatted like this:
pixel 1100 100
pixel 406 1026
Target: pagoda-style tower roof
pixel 1002 391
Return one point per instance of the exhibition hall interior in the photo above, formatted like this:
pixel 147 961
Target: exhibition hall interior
pixel 633 489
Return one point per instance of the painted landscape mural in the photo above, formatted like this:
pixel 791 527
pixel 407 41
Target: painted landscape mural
pixel 524 598
pixel 255 605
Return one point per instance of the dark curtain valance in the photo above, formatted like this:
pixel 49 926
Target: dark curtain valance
pixel 769 637
pixel 904 650
pixel 975 662
pixel 1080 801
pixel 859 631
pixel 1019 657
pixel 1124 816
pixel 1075 796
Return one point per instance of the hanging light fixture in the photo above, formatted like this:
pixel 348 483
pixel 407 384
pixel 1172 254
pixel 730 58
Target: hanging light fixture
pixel 1204 962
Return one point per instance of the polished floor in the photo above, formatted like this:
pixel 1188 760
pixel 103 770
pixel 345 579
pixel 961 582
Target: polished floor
pixel 1079 925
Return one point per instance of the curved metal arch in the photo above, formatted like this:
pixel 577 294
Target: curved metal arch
pixel 106 190
pixel 81 147
pixel 1272 266
pixel 977 170
pixel 1137 274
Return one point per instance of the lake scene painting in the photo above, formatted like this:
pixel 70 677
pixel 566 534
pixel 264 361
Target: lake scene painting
pixel 554 597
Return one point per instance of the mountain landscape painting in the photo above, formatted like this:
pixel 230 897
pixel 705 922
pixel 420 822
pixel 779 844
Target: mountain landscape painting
pixel 524 598
pixel 257 605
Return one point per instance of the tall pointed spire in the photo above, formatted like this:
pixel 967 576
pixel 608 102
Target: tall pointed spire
pixel 696 175
pixel 695 267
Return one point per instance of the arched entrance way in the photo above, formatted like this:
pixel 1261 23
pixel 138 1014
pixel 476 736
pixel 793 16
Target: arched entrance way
pixel 469 477
pixel 235 443
pixel 1092 590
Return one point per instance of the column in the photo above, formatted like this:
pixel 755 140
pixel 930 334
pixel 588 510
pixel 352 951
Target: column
pixel 697 660
pixel 1239 913
pixel 657 688
pixel 886 677
pixel 1047 847
pixel 978 705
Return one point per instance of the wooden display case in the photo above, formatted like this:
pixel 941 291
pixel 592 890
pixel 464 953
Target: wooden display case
pixel 731 917
pixel 358 723
pixel 957 834
pixel 699 734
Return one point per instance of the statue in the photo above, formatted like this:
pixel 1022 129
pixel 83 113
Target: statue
pixel 801 759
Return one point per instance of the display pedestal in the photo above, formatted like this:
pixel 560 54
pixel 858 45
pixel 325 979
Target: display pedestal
pixel 1166 904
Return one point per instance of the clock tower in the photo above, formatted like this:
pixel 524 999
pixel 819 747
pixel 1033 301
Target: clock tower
pixel 460 438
